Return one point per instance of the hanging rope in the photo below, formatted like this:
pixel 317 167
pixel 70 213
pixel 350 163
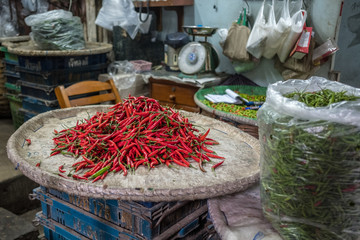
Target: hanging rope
pixel 147 11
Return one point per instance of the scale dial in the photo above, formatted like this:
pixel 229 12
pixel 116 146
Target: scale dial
pixel 192 58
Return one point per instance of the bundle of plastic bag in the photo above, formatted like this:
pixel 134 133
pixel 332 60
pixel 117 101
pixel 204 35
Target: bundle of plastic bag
pixel 56 30
pixel 297 25
pixel 259 33
pixel 278 31
pixel 122 13
pixel 270 37
pixel 310 159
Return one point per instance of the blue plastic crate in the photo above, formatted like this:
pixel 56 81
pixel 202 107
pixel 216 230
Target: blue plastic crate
pixel 12 77
pixel 39 105
pixel 10 65
pixel 12 88
pixel 62 76
pixel 45 92
pixel 56 231
pixel 49 63
pixel 131 217
pixel 196 229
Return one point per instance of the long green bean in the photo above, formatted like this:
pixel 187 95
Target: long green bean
pixel 310 173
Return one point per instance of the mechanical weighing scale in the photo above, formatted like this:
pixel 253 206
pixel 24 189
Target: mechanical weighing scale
pixel 198 57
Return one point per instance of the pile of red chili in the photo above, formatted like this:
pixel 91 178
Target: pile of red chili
pixel 138 131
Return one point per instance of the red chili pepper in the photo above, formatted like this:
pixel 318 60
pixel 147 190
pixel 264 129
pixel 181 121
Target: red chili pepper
pixel 79 177
pixel 137 131
pixel 61 169
pixel 179 162
pixel 202 138
pixel 38 164
pixel 214 156
pixel 216 165
pixel 28 141
pixel 206 149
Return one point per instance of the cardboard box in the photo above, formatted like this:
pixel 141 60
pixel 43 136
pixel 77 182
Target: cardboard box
pixel 302 46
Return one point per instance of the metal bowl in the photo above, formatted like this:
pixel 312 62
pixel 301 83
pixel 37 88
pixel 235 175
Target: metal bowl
pixel 199 30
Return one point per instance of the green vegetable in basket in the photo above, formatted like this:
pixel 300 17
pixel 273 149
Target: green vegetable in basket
pixel 322 98
pixel 310 172
pixel 239 110
pixel 56 30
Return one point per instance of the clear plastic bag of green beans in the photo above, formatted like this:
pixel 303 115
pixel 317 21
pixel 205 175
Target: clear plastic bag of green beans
pixel 56 30
pixel 310 160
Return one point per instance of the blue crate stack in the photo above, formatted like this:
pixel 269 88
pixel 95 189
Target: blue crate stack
pixel 66 216
pixel 40 75
pixel 12 88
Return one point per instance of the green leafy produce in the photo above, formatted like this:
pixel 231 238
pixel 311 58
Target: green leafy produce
pixel 310 172
pixel 237 109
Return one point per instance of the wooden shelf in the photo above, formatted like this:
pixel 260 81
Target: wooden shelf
pixel 170 5
pixel 167 3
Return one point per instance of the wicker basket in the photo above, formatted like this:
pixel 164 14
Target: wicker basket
pixel 248 125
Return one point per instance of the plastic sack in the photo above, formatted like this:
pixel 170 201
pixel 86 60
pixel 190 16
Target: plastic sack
pixel 223 32
pixel 118 69
pixel 122 13
pixel 235 43
pixel 259 33
pixel 310 161
pixel 239 216
pixel 56 30
pixel 278 31
pixel 8 19
pixel 297 25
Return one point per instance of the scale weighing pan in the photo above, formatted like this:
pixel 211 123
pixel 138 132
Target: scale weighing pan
pixel 200 30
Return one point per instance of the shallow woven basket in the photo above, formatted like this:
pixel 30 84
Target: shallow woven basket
pixel 29 49
pixel 248 125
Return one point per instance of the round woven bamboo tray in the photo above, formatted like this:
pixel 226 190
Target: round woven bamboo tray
pixel 29 49
pixel 248 125
pixel 239 171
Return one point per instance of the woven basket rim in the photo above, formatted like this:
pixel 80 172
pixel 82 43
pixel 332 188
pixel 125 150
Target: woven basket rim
pixel 28 49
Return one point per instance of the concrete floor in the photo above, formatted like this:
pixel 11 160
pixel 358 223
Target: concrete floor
pixel 16 209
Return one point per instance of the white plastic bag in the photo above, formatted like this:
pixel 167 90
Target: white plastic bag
pixel 278 31
pixel 297 25
pixel 258 35
pixel 121 13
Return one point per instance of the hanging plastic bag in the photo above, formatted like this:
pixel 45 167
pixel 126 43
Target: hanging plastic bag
pixel 278 31
pixel 121 13
pixel 258 36
pixel 236 40
pixel 297 25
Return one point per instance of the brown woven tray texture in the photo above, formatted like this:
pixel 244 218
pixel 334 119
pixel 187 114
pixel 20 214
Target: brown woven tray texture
pixel 29 49
pixel 239 171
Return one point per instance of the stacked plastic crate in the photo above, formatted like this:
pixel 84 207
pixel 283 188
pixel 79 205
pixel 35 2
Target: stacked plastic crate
pixel 41 75
pixel 4 104
pixel 12 87
pixel 67 216
pixel 41 71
